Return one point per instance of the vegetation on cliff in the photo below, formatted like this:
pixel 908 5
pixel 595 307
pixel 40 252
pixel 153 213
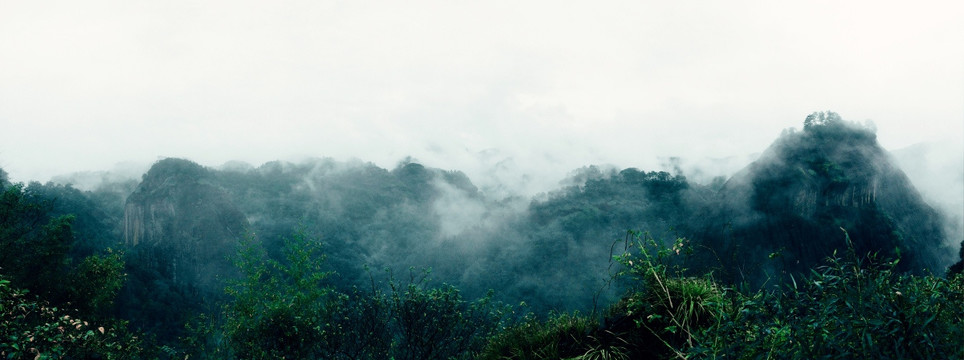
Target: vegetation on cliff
pixel 759 267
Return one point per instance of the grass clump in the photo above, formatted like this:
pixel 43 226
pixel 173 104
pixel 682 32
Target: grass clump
pixel 561 336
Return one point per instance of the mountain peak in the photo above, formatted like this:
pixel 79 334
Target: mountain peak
pixel 832 175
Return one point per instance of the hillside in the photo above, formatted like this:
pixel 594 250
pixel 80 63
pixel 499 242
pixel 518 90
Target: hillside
pixel 181 226
pixel 785 211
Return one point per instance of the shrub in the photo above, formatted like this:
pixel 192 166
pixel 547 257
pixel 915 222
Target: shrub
pixel 561 336
pixel 845 309
pixel 32 328
pixel 287 309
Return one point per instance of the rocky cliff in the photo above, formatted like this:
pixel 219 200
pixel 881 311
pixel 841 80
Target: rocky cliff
pixel 185 227
pixel 786 211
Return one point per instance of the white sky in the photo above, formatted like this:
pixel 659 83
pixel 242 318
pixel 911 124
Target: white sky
pixel 550 85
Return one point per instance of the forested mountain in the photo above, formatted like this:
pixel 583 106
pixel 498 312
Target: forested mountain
pixel 794 201
pixel 826 189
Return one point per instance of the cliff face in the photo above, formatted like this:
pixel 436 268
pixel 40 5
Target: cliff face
pixel 185 227
pixel 784 212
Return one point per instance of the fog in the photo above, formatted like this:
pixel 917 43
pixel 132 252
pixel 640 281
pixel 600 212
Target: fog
pixel 516 95
pixel 937 171
pixel 528 238
pixel 496 143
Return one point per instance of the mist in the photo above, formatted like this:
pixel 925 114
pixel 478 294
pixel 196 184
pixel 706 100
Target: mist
pixel 504 146
pixel 522 97
pixel 519 233
pixel 937 170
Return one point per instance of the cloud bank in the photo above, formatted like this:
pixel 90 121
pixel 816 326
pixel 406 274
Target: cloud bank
pixel 540 86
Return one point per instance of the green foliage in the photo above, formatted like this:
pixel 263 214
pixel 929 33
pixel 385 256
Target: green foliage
pixel 288 308
pixel 663 304
pixel 33 246
pixel 846 309
pixel 95 216
pixel 31 328
pixel 852 307
pixel 807 185
pixel 849 308
pixel 50 288
pixel 35 254
pixel 651 321
pixel 357 326
pixel 276 305
pixel 561 336
pixel 824 119
pixel 94 282
pixel 570 227
pixel 152 301
pixel 436 323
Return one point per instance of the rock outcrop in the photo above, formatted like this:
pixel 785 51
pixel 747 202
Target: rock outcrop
pixel 185 227
pixel 785 212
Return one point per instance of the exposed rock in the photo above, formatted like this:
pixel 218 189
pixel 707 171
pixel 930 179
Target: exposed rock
pixel 785 211
pixel 186 225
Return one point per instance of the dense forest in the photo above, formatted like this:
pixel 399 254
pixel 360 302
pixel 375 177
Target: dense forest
pixel 821 248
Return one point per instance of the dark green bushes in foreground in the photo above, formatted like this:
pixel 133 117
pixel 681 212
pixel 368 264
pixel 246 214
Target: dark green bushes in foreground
pixel 34 329
pixel 848 308
pixel 53 302
pixel 287 309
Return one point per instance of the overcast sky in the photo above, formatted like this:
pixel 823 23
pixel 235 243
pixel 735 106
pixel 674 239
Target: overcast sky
pixel 542 85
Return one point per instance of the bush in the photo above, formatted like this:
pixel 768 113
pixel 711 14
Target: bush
pixel 287 309
pixel 32 328
pixel 561 336
pixel 844 310
pixel 848 308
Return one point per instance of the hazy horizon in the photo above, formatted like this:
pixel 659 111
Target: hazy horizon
pixel 535 88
